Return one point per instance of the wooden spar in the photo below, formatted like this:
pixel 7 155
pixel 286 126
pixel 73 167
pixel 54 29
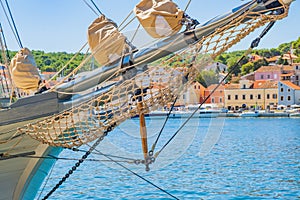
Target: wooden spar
pixel 143 133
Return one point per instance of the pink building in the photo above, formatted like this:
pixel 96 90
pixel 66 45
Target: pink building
pixel 272 72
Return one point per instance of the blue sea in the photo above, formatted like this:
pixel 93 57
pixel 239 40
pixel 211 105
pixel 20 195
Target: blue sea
pixel 218 158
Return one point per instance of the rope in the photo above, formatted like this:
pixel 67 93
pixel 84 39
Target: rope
pixel 162 128
pixel 96 7
pixel 133 37
pixel 84 122
pixel 187 5
pixel 253 44
pixel 64 67
pixel 91 7
pixel 15 28
pixel 4 47
pixel 134 173
pixel 11 27
pixel 130 13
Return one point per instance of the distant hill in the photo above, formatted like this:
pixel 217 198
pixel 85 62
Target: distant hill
pixel 54 61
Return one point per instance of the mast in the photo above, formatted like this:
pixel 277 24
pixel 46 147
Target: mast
pixel 165 47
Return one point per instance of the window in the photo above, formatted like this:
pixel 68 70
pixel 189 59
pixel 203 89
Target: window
pixel 275 76
pixel 262 76
pixel 268 76
pixel 268 96
pixel 213 100
pixel 281 98
pixel 274 96
pixel 229 97
pixel 251 96
pixel 195 87
pixel 236 97
pixel 244 86
pixel 281 89
pixel 297 67
pixel 259 96
pixel 221 100
pixel 183 96
pixel 289 98
pixel 289 90
pixel 244 97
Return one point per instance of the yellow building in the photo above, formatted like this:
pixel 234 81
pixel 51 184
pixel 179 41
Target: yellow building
pixel 261 94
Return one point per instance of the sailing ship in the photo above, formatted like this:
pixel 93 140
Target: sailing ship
pixel 131 81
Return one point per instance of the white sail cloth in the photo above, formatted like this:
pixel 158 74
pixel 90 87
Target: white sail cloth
pixel 160 18
pixel 24 72
pixel 105 41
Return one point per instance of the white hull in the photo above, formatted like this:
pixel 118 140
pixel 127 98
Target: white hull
pixel 20 175
pixel 249 114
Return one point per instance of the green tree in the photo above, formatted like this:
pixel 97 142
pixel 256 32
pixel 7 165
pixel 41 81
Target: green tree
pixel 207 78
pixel 247 68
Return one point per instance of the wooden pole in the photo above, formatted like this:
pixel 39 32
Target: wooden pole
pixel 143 132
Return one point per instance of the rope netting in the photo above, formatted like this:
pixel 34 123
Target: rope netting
pixel 156 87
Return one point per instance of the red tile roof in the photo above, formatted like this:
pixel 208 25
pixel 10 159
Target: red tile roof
pixel 269 69
pixel 265 84
pixel 291 85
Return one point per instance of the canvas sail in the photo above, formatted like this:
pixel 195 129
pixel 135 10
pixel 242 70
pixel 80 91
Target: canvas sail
pixel 160 18
pixel 24 72
pixel 105 41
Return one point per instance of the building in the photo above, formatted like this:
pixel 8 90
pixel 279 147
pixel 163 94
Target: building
pixel 296 77
pixel 217 97
pixel 288 93
pixel 249 95
pixel 273 72
pixel 193 95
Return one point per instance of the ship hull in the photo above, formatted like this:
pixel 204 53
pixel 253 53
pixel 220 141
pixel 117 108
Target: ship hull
pixel 22 168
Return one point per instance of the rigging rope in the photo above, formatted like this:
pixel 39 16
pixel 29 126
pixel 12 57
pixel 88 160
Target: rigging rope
pixel 187 5
pixel 141 177
pixel 90 7
pixel 253 45
pixel 96 6
pixel 11 27
pixel 15 28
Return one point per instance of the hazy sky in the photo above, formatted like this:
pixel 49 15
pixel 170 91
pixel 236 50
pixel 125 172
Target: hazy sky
pixel 61 25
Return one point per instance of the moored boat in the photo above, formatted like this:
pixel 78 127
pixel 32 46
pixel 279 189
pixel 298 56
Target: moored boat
pixel 76 112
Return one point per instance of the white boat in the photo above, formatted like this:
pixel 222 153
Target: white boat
pixel 295 113
pixel 35 129
pixel 209 113
pixel 173 114
pixel 249 114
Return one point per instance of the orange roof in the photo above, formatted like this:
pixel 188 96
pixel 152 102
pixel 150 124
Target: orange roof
pixel 289 74
pixel 213 86
pixel 273 59
pixel 289 56
pixel 291 85
pixel 288 68
pixel 269 68
pixel 265 84
pixel 255 57
pixel 232 86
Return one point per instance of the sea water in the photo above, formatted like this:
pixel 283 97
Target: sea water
pixel 217 158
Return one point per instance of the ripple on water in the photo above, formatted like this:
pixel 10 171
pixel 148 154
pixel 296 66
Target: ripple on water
pixel 253 159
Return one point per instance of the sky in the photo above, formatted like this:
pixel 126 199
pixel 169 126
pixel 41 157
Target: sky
pixel 61 25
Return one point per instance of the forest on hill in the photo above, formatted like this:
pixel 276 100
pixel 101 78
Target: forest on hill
pixel 54 61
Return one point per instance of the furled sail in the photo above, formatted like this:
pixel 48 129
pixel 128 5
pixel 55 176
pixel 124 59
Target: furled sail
pixel 105 41
pixel 24 72
pixel 160 18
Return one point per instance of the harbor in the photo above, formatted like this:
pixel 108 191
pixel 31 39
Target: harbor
pixel 155 105
pixel 254 158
